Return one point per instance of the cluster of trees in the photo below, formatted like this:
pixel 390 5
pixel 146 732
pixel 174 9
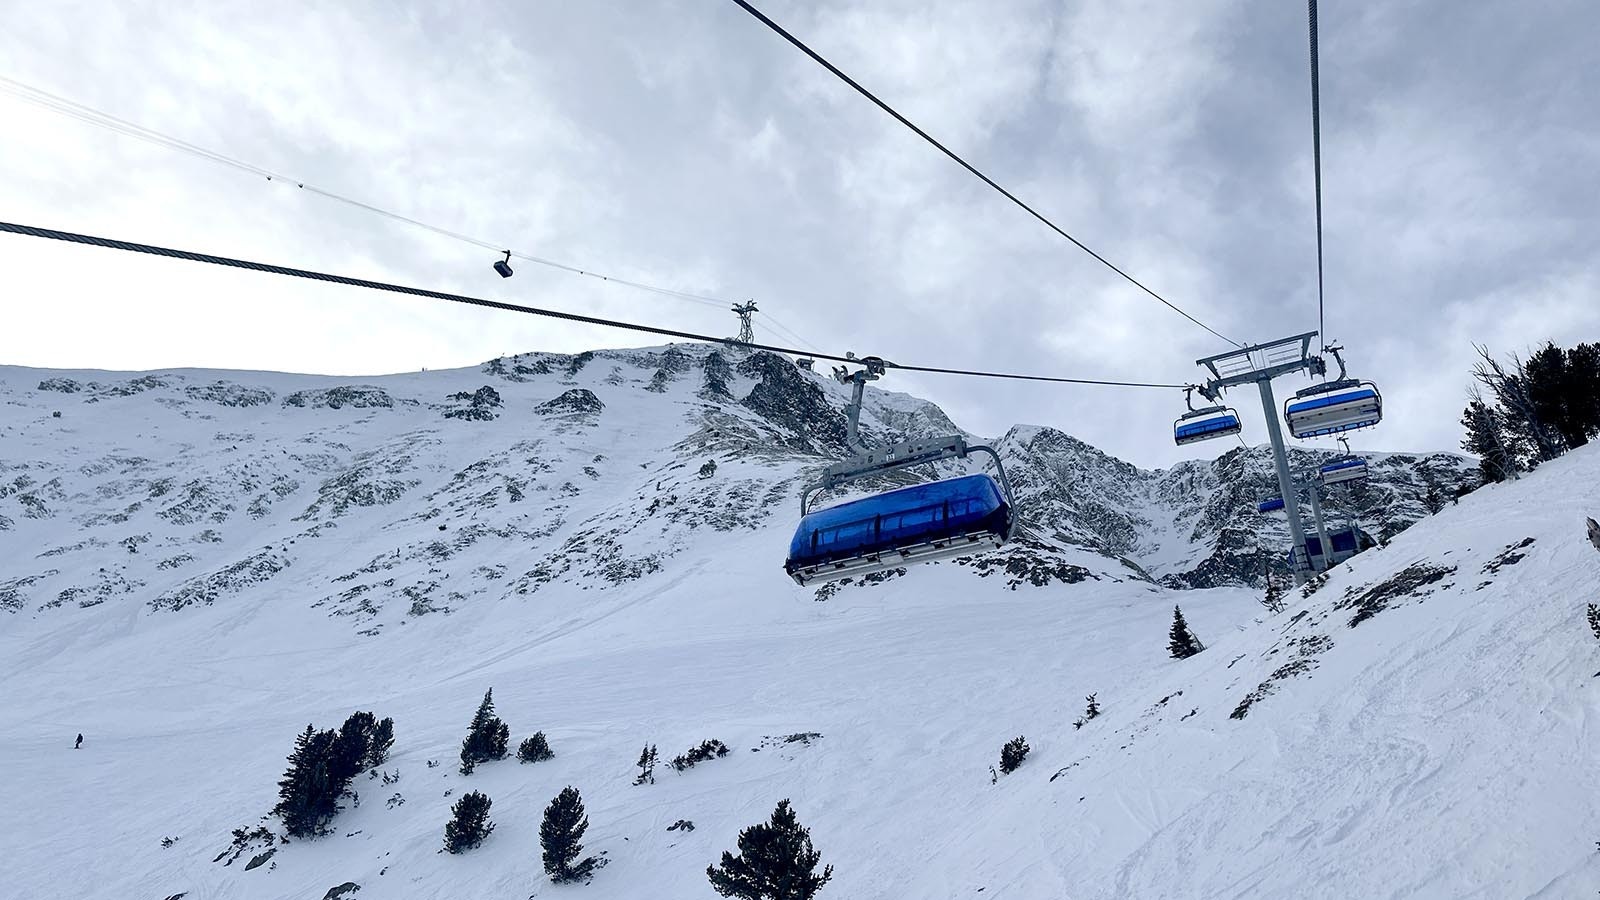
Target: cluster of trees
pixel 321 767
pixel 1521 413
pixel 710 749
pixel 776 860
pixel 560 834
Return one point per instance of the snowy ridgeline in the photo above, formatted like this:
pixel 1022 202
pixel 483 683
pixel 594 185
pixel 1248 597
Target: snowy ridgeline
pixel 199 564
pixel 386 499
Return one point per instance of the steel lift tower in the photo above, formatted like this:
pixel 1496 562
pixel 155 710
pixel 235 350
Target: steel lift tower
pixel 747 334
pixel 1258 364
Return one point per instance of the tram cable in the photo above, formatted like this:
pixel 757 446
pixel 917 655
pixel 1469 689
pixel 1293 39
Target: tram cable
pixel 313 275
pixel 782 32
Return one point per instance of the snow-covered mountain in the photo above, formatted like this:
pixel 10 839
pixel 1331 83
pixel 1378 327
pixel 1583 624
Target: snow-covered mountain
pixel 445 488
pixel 196 564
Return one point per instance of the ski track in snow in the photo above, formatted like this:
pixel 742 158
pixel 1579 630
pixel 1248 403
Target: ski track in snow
pixel 1444 747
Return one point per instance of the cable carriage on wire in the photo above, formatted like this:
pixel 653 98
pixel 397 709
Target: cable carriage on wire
pixel 1333 407
pixel 916 524
pixel 1204 424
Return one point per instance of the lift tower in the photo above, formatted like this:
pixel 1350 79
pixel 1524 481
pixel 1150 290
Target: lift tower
pixel 747 334
pixel 1258 364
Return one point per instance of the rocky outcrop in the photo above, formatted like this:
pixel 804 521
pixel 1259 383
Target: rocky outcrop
pixel 577 400
pixel 355 396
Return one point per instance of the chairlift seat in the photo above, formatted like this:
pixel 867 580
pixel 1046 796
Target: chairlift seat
pixel 1332 408
pixel 1205 424
pixel 914 524
pixel 1270 504
pixel 1343 468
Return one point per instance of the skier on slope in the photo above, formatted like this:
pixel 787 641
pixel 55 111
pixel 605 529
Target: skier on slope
pixel 79 743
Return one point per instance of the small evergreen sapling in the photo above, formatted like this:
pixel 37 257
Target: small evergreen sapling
pixel 561 836
pixel 1181 642
pixel 1012 754
pixel 534 749
pixel 1273 599
pixel 469 823
pixel 776 862
pixel 647 765
pixel 1091 710
pixel 1594 620
pixel 486 738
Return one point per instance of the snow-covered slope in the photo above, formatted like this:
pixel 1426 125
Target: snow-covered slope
pixel 196 564
pixel 186 487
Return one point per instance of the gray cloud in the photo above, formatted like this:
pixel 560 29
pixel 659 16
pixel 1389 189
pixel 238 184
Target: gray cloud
pixel 681 143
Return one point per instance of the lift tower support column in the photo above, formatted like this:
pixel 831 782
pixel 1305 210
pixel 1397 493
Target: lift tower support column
pixel 1258 364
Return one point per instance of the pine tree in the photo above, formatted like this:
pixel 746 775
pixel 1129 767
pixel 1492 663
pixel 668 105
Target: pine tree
pixel 647 765
pixel 1013 753
pixel 469 823
pixel 1594 620
pixel 776 862
pixel 534 749
pixel 382 740
pixel 1273 599
pixel 486 738
pixel 1433 494
pixel 354 746
pixel 1486 438
pixel 1092 707
pixel 561 836
pixel 1181 642
pixel 1583 387
pixel 308 795
pixel 1519 412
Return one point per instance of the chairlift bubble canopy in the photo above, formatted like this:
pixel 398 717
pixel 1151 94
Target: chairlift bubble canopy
pixel 921 523
pixel 1205 424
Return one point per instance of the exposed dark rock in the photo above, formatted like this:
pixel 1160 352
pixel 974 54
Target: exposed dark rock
pixel 260 859
pixel 577 400
pixel 341 891
pixel 477 406
pixel 788 400
pixel 1408 582
pixel 355 396
pixel 12 597
pixel 253 569
pixel 63 385
pixel 1508 557
pixel 1306 652
pixel 134 386
pixel 1027 562
pixel 227 393
pixel 716 374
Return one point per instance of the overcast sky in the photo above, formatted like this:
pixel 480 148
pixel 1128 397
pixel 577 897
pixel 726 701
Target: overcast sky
pixel 679 142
